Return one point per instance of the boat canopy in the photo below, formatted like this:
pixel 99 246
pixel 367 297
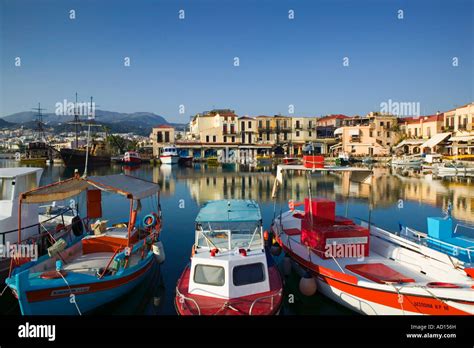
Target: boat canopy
pixel 229 211
pixel 125 185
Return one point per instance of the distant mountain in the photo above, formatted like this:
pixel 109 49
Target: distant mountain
pixel 5 124
pixel 137 122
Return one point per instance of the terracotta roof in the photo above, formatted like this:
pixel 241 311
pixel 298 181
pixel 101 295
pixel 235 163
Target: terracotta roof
pixel 331 117
pixel 163 126
pixel 428 118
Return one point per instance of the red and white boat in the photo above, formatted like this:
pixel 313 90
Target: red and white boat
pixel 370 270
pixel 231 271
pixel 169 155
pixel 132 158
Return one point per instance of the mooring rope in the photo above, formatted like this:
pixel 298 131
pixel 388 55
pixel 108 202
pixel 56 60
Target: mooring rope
pixel 70 290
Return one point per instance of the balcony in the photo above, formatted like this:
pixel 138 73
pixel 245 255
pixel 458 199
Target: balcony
pixel 282 129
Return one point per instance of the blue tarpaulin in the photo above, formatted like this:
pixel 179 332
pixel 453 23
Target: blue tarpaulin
pixel 234 210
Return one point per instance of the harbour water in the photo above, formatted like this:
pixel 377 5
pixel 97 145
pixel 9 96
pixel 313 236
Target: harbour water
pixel 394 198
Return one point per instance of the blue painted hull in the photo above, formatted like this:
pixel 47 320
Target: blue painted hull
pixel 38 297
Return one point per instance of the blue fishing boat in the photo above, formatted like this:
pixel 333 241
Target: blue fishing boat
pixel 79 276
pixel 443 237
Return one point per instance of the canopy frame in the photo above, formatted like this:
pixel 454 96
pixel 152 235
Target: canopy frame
pixel 83 184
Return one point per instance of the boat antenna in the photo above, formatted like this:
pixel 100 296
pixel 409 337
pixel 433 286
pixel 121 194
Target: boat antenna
pixel 90 118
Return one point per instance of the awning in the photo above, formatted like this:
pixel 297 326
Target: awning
pixel 354 131
pixel 128 186
pixel 435 140
pixel 410 142
pixel 338 131
pixel 462 138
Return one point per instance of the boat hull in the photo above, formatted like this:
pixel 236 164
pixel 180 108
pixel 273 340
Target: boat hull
pixel 256 304
pixel 345 290
pixel 77 158
pixel 169 159
pixel 56 300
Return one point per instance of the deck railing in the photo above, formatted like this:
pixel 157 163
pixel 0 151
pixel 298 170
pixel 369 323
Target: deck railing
pixel 271 297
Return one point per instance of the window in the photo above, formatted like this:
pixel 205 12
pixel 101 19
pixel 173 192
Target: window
pixel 250 124
pixel 285 136
pixel 248 274
pixel 225 139
pixel 232 130
pixel 224 129
pixel 214 138
pixel 388 124
pixel 167 137
pixel 209 275
pixel 233 139
pixel 381 124
pixel 6 186
pixel 388 134
pixel 268 136
pixel 159 137
pixel 242 125
pixel 259 124
pixel 309 133
pixel 207 138
pixel 297 132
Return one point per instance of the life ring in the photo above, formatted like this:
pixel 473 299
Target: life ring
pixel 151 220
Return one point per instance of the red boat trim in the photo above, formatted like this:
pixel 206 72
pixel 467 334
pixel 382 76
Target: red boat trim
pixel 237 306
pixel 347 283
pixel 64 291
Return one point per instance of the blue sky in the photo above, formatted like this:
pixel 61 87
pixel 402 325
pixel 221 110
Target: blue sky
pixel 282 61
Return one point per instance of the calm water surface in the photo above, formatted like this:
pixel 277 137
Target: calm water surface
pixel 395 199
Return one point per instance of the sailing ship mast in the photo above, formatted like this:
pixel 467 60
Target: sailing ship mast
pixel 39 123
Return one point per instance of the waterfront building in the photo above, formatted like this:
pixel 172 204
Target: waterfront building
pixel 372 135
pixel 160 136
pixel 425 134
pixel 459 121
pixel 274 129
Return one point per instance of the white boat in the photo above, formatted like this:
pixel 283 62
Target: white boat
pixel 169 155
pixel 413 161
pixel 14 181
pixel 370 270
pixel 452 168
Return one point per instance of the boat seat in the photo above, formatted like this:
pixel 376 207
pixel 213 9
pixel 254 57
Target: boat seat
pixel 379 273
pixel 89 262
pixel 292 231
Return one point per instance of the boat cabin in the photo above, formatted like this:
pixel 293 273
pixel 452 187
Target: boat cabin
pixel 14 181
pixel 229 258
pixel 170 151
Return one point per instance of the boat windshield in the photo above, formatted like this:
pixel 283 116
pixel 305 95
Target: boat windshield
pixel 229 235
